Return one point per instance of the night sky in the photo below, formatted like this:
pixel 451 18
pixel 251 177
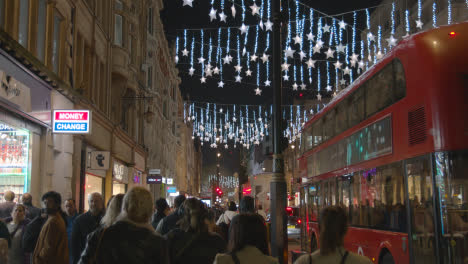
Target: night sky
pixel 176 18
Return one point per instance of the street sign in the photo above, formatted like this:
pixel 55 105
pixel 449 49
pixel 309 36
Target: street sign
pixel 100 160
pixel 153 179
pixel 71 121
pixel 171 189
pixel 154 172
pixel 169 181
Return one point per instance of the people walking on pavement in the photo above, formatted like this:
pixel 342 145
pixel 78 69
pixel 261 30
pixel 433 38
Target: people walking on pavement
pixel 333 224
pixel 192 242
pixel 7 206
pixel 72 214
pixel 227 216
pixel 85 224
pixel 4 242
pixel 52 244
pixel 132 239
pixel 261 212
pixel 16 225
pixel 162 210
pixel 247 242
pixel 31 211
pixel 170 222
pixel 112 212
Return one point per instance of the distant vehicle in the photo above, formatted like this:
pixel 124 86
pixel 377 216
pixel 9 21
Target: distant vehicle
pixel 294 223
pixel 392 149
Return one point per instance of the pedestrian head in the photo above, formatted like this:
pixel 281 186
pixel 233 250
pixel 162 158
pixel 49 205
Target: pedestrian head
pixel 19 213
pixel 248 229
pixel 113 210
pixel 179 200
pixel 162 206
pixel 260 207
pixel 70 207
pixel 26 199
pixel 195 214
pixel 333 225
pixel 232 206
pixel 9 196
pixel 96 203
pixel 52 201
pixel 247 205
pixel 137 205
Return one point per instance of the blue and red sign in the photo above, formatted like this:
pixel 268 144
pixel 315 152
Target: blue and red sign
pixel 71 121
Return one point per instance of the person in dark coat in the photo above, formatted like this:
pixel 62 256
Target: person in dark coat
pixel 4 242
pixel 170 222
pixel 7 206
pixel 247 205
pixel 31 211
pixel 132 239
pixel 16 225
pixel 162 210
pixel 193 242
pixel 85 224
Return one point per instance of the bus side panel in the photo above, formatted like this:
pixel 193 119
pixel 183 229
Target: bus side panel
pixel 370 243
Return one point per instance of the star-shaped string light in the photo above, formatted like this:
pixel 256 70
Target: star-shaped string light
pixel 302 55
pixel 310 36
pixel 265 57
pixel 248 73
pixel 328 88
pixel 238 78
pixel 253 57
pixel 337 64
pixel 212 14
pixel 303 86
pixel 185 52
pixel 354 57
pixel 233 10
pixel 379 55
pixel 326 28
pixel 216 70
pixel 203 79
pixel 238 68
pixel 176 59
pixel 316 48
pixel 208 72
pixel 370 36
pixel 319 97
pixel 361 64
pixel 285 66
pixel 289 52
pixel 285 77
pixel 226 60
pixel 419 24
pixel 222 17
pixel 268 25
pixel 267 83
pixel 346 70
pixel 191 71
pixel 255 9
pixel 343 82
pixel 310 63
pixel 258 91
pixel 188 2
pixel 391 41
pixel 340 48
pixel 220 84
pixel 261 24
pixel 295 86
pixel 201 60
pixel 243 28
pixel 330 53
pixel 342 24
pixel 297 39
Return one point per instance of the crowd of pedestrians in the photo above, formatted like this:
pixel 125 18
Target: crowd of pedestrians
pixel 128 230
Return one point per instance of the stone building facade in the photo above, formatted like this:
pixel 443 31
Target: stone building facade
pixel 107 56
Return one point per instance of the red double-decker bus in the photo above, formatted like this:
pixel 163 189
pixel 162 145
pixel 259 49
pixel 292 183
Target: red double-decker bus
pixel 392 149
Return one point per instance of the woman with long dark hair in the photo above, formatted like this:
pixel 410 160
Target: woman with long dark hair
pixel 192 242
pixel 247 242
pixel 333 225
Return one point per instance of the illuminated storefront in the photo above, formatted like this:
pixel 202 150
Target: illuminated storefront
pixel 120 178
pixel 15 163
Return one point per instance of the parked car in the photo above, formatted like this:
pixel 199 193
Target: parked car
pixel 293 224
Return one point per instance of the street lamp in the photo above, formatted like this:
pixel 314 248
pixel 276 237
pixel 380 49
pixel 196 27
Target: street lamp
pixel 219 154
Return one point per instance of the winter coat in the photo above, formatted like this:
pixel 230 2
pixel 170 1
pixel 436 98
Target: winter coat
pixel 52 244
pixel 126 242
pixel 82 227
pixel 189 247
pixel 334 258
pixel 157 217
pixel 16 253
pixel 226 217
pixel 248 254
pixel 169 222
pixel 32 211
pixel 5 209
pixel 31 233
pixel 4 233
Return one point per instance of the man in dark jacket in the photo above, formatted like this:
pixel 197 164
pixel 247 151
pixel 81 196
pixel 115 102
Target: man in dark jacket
pixel 7 206
pixel 31 211
pixel 162 210
pixel 170 222
pixel 85 224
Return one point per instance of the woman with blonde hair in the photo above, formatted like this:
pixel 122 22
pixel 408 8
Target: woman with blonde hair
pixel 192 242
pixel 131 238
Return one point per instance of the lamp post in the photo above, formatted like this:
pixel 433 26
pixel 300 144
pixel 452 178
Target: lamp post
pixel 278 182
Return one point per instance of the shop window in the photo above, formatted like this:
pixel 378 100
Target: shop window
pixel 150 20
pixel 56 43
pixel 92 184
pixel 2 13
pixel 41 29
pixel 23 23
pixel 118 30
pixel 14 160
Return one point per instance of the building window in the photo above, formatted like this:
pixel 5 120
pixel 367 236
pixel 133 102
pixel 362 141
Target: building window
pixel 2 13
pixel 150 20
pixel 150 77
pixel 118 5
pixel 23 23
pixel 41 29
pixel 56 43
pixel 118 34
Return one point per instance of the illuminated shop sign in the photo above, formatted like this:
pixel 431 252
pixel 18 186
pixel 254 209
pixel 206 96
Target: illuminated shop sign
pixel 71 121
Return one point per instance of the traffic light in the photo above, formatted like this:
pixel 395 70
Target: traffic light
pixel 219 192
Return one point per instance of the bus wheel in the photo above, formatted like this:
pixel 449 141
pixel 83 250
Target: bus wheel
pixel 386 257
pixel 313 244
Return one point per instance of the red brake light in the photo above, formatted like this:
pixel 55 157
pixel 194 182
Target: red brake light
pixel 299 221
pixel 452 33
